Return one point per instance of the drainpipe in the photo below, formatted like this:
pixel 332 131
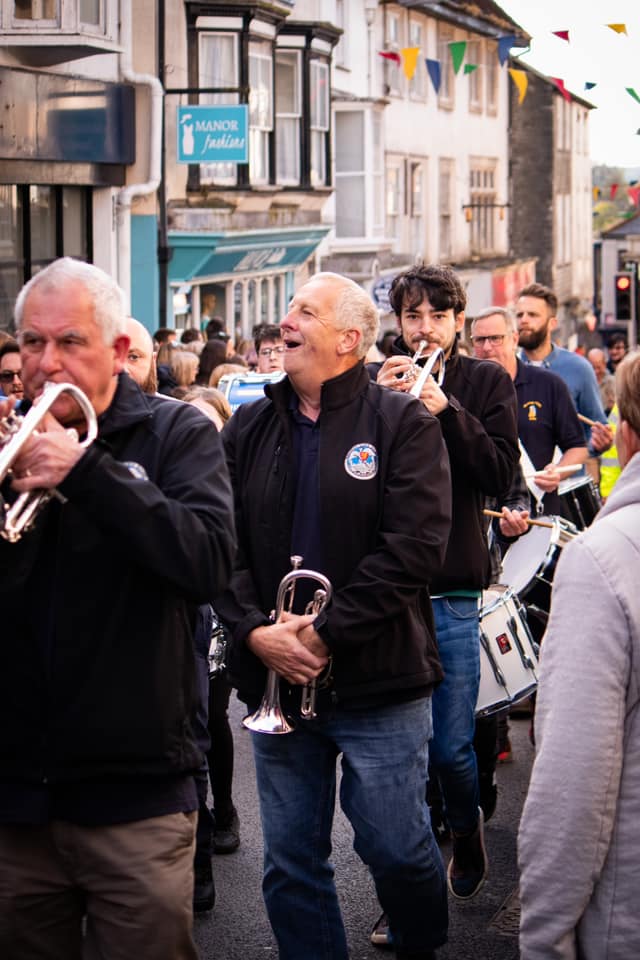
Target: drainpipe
pixel 125 196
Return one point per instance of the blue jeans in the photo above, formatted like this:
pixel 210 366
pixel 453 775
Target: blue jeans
pixel 454 700
pixel 384 767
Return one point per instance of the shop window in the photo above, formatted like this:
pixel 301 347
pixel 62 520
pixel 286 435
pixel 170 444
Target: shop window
pixel 38 224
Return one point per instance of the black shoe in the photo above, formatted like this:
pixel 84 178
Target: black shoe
pixel 488 795
pixel 226 834
pixel 204 891
pixel 469 866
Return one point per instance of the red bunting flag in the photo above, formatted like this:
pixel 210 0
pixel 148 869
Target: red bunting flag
pixel 561 87
pixel 390 55
pixel 634 194
pixel 613 191
pixel 563 34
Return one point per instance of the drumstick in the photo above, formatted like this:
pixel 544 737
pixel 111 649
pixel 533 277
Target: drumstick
pixel 589 423
pixel 535 523
pixel 567 468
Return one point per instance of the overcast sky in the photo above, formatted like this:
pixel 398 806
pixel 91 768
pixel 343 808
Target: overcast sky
pixel 596 54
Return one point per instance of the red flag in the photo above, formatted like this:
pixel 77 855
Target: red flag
pixel 390 55
pixel 613 191
pixel 561 87
pixel 563 34
pixel 634 193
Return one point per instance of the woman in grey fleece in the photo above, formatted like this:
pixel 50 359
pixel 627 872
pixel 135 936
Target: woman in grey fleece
pixel 579 840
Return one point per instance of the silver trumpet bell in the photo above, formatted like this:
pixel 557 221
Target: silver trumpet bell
pixel 269 717
pixel 15 431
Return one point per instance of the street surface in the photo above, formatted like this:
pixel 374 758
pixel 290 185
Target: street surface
pixel 483 929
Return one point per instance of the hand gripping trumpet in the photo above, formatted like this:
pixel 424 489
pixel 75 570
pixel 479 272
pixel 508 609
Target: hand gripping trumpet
pixel 424 372
pixel 15 431
pixel 269 717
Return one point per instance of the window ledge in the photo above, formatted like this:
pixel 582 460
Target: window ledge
pixel 47 49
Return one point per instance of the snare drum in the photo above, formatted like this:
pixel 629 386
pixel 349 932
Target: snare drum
pixel 580 500
pixel 508 653
pixel 530 563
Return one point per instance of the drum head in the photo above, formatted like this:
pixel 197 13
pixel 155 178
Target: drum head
pixel 525 557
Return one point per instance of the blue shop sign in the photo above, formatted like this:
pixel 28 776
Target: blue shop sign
pixel 213 134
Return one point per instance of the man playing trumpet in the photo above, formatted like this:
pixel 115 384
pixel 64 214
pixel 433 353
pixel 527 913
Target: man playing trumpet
pixel 97 688
pixel 355 480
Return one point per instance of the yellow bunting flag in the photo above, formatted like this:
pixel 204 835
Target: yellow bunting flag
pixel 521 81
pixel 596 193
pixel 618 27
pixel 409 60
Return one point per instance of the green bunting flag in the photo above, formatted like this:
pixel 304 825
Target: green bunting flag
pixel 470 67
pixel 458 49
pixel 632 93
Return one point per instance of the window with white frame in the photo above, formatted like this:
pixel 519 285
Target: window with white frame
pixel 474 57
pixel 446 93
pixel 445 206
pixel 376 157
pixel 483 199
pixel 418 82
pixel 395 42
pixel 394 194
pixel 88 17
pixel 218 67
pixel 319 121
pixel 416 197
pixel 491 76
pixel 36 10
pixel 288 114
pixel 260 110
pixel 350 198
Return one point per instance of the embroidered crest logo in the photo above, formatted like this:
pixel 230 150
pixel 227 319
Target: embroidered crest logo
pixel 361 462
pixel 136 469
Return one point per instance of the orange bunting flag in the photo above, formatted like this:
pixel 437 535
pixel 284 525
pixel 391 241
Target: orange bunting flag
pixel 562 34
pixel 561 87
pixel 409 60
pixel 618 27
pixel 596 193
pixel 521 81
pixel 613 191
pixel 390 55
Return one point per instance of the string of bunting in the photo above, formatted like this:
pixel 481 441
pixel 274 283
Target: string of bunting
pixel 409 57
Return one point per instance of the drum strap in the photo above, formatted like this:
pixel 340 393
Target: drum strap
pixel 528 469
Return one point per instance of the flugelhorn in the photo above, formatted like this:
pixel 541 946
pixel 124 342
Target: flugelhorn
pixel 269 717
pixel 15 431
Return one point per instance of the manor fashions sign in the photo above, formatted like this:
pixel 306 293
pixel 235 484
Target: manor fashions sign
pixel 213 134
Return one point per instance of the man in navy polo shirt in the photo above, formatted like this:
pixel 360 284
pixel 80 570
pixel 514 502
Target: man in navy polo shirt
pixel 547 417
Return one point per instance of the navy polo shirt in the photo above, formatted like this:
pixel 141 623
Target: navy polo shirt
pixel 546 415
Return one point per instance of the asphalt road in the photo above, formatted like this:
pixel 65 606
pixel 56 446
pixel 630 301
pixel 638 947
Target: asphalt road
pixel 483 929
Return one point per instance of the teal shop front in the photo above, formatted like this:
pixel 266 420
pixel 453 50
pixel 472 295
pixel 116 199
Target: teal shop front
pixel 244 277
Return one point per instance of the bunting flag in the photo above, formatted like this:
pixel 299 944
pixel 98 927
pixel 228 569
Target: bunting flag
pixel 390 55
pixel 632 93
pixel 457 48
pixel 521 81
pixel 618 27
pixel 470 67
pixel 435 72
pixel 562 34
pixel 561 87
pixel 589 85
pixel 504 46
pixel 409 60
pixel 634 194
pixel 613 190
pixel 596 193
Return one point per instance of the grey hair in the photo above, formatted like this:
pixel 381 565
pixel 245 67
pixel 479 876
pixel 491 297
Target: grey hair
pixel 501 311
pixel 109 307
pixel 354 308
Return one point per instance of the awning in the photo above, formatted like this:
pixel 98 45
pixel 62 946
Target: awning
pixel 202 256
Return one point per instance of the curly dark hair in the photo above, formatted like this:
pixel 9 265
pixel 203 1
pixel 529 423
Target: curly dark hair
pixel 434 282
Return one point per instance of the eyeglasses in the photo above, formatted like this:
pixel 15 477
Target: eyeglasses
pixel 8 376
pixel 495 339
pixel 268 351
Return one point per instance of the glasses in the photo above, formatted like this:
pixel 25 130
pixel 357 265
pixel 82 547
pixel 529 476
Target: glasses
pixel 495 339
pixel 268 351
pixel 8 376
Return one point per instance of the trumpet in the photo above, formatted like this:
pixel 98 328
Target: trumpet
pixel 436 357
pixel 15 431
pixel 269 717
pixel 413 370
